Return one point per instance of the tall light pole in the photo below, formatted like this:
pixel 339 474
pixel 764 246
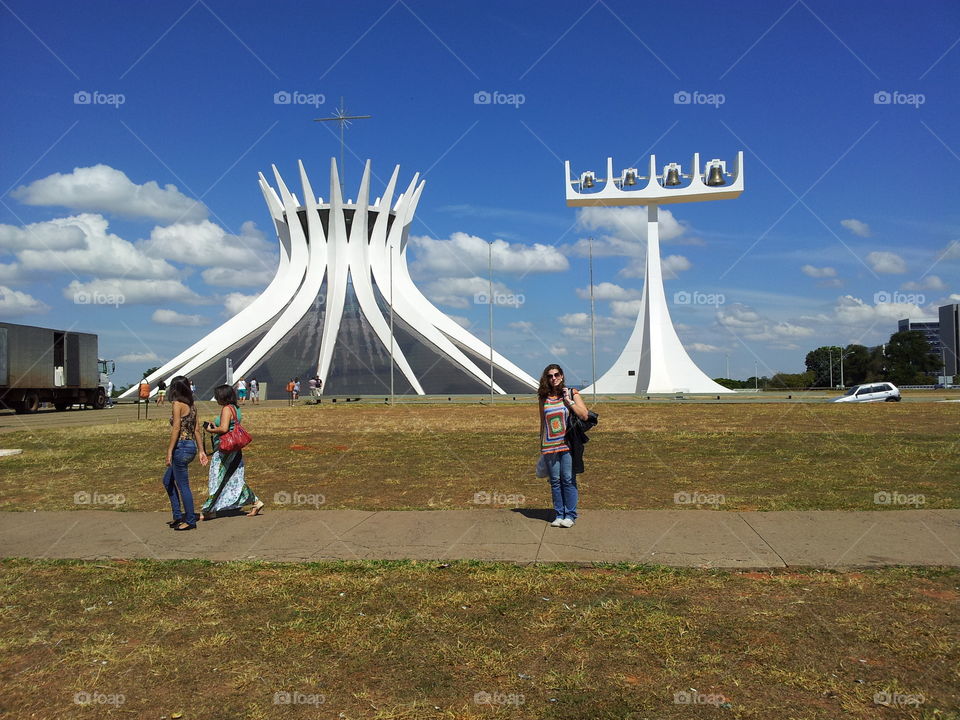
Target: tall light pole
pixel 654 360
pixel 830 355
pixel 593 328
pixel 490 301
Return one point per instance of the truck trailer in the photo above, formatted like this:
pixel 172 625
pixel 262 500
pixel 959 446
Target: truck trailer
pixel 41 365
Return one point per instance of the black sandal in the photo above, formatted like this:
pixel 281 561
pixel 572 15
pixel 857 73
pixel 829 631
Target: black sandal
pixel 182 529
pixel 174 523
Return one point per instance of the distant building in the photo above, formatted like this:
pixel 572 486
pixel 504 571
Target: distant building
pixel 950 337
pixel 930 330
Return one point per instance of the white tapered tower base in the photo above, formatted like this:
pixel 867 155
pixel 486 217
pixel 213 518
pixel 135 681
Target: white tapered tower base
pixel 654 360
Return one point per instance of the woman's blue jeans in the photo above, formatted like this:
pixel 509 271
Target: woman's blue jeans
pixel 563 484
pixel 177 481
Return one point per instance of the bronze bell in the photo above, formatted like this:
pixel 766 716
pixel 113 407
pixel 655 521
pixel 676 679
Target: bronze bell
pixel 588 181
pixel 630 177
pixel 673 177
pixel 715 177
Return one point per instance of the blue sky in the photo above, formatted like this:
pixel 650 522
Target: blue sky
pixel 848 221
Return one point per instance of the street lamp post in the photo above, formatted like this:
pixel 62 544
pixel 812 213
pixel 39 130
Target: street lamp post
pixel 593 329
pixel 490 301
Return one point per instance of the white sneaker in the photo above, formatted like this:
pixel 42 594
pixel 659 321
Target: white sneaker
pixel 557 523
pixel 567 522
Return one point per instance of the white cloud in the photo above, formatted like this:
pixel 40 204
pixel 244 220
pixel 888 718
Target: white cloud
pixel 748 323
pixel 704 347
pixel 858 228
pixel 10 273
pixel 673 264
pixel 815 272
pixel 931 282
pixel 951 251
pixel 558 350
pixel 523 325
pixel 49 235
pixel 461 321
pixel 134 292
pixel 229 277
pixel 146 357
pixel 608 291
pixel 101 188
pixel 628 223
pixel 235 302
pixel 625 308
pixel 101 254
pixel 206 243
pixel 14 303
pixel 575 319
pixel 464 255
pixel 886 262
pixel 172 317
pixel 461 292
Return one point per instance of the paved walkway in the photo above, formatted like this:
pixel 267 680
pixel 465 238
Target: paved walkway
pixel 693 538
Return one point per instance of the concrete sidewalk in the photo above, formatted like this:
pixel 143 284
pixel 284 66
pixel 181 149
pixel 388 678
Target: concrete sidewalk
pixel 690 538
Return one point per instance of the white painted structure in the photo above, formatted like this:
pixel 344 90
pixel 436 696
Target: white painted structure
pixel 328 309
pixel 654 360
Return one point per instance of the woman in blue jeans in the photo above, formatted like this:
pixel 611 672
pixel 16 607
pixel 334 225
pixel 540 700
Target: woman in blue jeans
pixel 556 404
pixel 185 440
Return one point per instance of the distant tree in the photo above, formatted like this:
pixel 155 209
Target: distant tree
pixel 856 366
pixel 150 371
pixel 792 381
pixel 818 362
pixel 909 358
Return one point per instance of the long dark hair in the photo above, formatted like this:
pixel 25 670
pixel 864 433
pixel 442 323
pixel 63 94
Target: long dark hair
pixel 180 390
pixel 546 388
pixel 225 395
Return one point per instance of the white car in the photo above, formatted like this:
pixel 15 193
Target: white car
pixel 871 392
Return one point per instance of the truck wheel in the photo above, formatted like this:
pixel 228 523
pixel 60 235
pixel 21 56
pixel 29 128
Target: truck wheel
pixel 30 403
pixel 61 406
pixel 100 400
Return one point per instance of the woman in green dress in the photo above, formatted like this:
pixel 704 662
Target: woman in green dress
pixel 226 483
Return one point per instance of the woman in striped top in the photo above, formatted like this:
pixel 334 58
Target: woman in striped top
pixel 556 404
